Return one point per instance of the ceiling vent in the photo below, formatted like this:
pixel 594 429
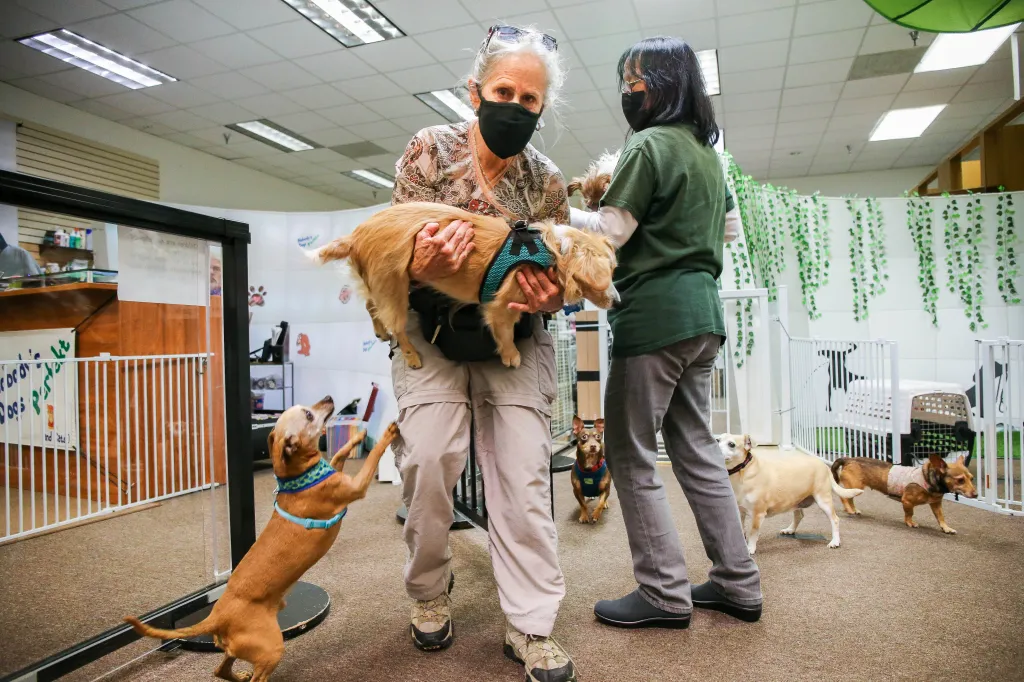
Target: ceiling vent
pixel 358 150
pixel 885 63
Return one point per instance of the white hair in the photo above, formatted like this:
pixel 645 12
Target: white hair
pixel 487 58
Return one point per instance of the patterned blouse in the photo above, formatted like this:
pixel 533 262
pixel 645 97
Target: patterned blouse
pixel 438 166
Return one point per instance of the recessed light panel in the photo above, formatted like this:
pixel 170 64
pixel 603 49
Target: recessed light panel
pixel 956 50
pixel 270 133
pixel 709 68
pixel 85 54
pixel 350 22
pixel 448 104
pixel 900 124
pixel 374 178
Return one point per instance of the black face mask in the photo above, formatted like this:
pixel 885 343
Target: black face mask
pixel 632 103
pixel 506 126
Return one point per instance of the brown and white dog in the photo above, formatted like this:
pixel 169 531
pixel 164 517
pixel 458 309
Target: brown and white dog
pixel 595 181
pixel 912 486
pixel 770 483
pixel 243 622
pixel 380 252
pixel 590 475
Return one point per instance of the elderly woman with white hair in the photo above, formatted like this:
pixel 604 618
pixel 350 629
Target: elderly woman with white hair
pixel 488 167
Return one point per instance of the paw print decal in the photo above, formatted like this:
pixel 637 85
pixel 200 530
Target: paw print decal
pixel 257 296
pixel 303 344
pixel 345 295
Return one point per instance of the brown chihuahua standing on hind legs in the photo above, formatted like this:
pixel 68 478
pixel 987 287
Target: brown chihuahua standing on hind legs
pixel 590 475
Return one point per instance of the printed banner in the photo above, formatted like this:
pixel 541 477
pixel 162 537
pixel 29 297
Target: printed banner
pixel 38 397
pixel 162 268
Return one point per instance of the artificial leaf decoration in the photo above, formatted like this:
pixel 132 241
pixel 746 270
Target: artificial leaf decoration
pixel 950 16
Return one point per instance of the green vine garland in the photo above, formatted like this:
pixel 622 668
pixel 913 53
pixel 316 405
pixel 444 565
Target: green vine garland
pixel 963 243
pixel 1007 270
pixel 919 222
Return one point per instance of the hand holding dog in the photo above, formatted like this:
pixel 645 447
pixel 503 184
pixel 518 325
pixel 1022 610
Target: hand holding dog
pixel 440 254
pixel 541 291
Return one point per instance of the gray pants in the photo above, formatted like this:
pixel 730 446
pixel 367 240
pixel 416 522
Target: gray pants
pixel 669 390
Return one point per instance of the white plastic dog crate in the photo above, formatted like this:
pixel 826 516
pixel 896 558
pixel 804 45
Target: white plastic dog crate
pixel 931 418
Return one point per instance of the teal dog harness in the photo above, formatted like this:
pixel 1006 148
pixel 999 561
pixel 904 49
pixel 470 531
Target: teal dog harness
pixel 315 475
pixel 590 479
pixel 523 245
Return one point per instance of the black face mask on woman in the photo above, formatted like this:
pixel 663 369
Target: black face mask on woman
pixel 632 104
pixel 505 126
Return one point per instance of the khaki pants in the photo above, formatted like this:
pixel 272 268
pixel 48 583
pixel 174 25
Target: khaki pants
pixel 512 412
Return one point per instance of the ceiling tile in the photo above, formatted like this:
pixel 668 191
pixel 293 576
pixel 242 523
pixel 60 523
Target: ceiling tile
pixel 236 51
pixel 137 103
pixel 887 37
pixel 251 13
pixel 814 94
pixel 397 107
pixel 797 128
pixel 414 124
pixel 658 13
pixel 147 126
pixel 491 11
pixel 805 143
pixel 579 85
pixel 728 7
pixel 123 33
pixel 939 79
pixel 344 163
pixel 739 119
pixel 765 55
pixel 397 144
pixel 924 98
pixel 601 118
pixel 853 122
pixel 999 70
pixel 949 124
pixel 187 140
pixel 830 167
pixel 84 83
pixel 700 35
pixel 454 43
pixel 349 114
pixel 758 144
pixel 976 92
pixel 585 101
pixel 229 85
pixel 19 22
pixel 335 66
pixel 416 16
pixel 390 55
pixel 979 107
pixel 182 20
pixel 333 136
pixel 371 131
pixel 865 105
pixel 303 122
pixel 369 88
pixel 38 86
pixel 28 62
pixel 600 18
pixel 64 12
pixel 318 96
pixel 591 135
pixel 100 109
pixel 424 78
pixel 750 102
pixel 270 105
pixel 824 46
pixel 743 29
pixel 128 4
pixel 833 15
pixel 214 134
pixel 296 39
pixel 597 52
pixel 182 95
pixel 182 62
pixel 280 76
pixel 224 113
pixel 818 73
pixel 182 121
pixel 755 80
pixel 806 112
pixel 872 87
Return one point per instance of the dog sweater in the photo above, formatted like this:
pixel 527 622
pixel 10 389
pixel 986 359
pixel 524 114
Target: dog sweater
pixel 590 481
pixel 900 477
pixel 523 245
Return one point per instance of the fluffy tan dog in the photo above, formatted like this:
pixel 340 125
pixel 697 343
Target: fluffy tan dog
pixel 773 483
pixel 595 181
pixel 380 252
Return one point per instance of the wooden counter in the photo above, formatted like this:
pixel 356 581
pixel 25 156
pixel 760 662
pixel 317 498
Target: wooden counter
pixel 105 324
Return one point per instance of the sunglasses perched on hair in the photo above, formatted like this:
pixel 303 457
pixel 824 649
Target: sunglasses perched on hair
pixel 513 34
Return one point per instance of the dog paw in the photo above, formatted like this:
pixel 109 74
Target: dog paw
pixel 948 531
pixel 751 550
pixel 787 531
pixel 911 524
pixel 392 431
pixel 584 518
pixel 243 677
pixel 359 437
pixel 413 360
pixel 512 361
pixel 834 544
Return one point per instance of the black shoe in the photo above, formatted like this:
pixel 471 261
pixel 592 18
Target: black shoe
pixel 633 611
pixel 707 596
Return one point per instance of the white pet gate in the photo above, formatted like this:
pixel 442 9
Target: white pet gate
pixel 999 411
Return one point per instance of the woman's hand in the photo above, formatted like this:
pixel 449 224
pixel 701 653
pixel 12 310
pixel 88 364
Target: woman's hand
pixel 437 255
pixel 541 291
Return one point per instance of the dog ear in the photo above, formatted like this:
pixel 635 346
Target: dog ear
pixel 960 460
pixel 575 186
pixel 290 447
pixel 937 463
pixel 747 443
pixel 599 425
pixel 577 425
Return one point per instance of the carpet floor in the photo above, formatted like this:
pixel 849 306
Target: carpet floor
pixel 891 604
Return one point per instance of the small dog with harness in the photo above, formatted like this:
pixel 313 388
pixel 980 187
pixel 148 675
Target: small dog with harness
pixel 590 475
pixel 912 486
pixel 312 498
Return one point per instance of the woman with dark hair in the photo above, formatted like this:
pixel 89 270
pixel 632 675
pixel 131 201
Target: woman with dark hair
pixel 666 210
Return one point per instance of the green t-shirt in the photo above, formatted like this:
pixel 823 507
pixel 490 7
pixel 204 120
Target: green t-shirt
pixel 675 188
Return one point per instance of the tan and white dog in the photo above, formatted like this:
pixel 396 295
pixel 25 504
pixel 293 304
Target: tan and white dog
pixel 770 483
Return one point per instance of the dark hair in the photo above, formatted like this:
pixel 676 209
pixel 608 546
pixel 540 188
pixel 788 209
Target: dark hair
pixel 675 85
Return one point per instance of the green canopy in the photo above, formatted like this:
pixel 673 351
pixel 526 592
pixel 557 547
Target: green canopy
pixel 950 16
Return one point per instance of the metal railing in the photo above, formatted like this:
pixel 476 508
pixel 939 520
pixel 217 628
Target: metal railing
pixel 999 410
pixel 86 437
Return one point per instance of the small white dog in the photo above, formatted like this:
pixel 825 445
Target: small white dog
pixel 771 483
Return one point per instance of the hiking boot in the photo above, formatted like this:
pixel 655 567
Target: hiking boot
pixel 431 621
pixel 544 658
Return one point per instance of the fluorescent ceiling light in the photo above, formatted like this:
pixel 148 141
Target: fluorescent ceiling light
pixel 709 68
pixel 94 58
pixel 956 50
pixel 448 104
pixel 900 124
pixel 270 133
pixel 350 22
pixel 374 178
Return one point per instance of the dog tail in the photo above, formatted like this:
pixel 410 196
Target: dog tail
pixel 338 249
pixel 845 493
pixel 203 627
pixel 837 467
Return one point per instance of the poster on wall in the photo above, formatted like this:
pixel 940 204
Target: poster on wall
pixel 38 397
pixel 162 268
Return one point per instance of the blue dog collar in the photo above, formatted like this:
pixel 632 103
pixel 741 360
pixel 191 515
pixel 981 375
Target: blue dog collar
pixel 311 524
pixel 317 473
pixel 523 245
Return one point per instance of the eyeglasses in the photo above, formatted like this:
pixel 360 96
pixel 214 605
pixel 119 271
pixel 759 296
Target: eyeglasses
pixel 514 34
pixel 627 86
